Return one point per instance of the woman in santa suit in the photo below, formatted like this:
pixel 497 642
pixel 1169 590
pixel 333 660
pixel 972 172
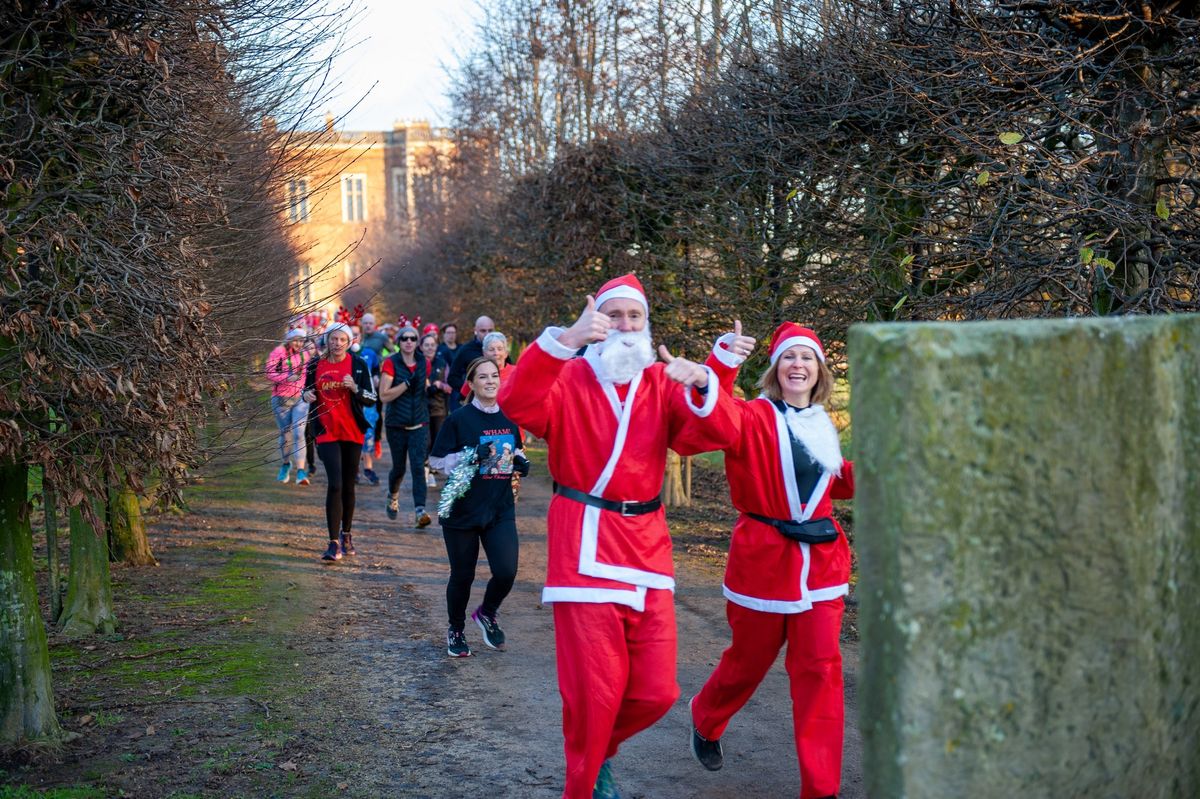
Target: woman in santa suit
pixel 789 561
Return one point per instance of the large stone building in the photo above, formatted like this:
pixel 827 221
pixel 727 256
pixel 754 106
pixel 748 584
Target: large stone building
pixel 356 204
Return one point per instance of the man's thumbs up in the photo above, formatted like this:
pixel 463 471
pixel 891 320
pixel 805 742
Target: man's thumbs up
pixel 683 371
pixel 590 326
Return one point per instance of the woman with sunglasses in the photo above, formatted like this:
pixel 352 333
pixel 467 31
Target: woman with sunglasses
pixel 403 381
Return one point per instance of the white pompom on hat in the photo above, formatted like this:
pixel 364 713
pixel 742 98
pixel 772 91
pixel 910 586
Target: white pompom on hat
pixel 788 335
pixel 623 287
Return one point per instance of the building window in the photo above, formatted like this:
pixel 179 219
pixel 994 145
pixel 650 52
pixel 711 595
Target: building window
pixel 302 293
pixel 354 198
pixel 400 191
pixel 351 271
pixel 297 191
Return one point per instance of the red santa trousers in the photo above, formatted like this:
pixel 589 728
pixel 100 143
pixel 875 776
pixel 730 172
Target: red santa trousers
pixel 814 667
pixel 616 674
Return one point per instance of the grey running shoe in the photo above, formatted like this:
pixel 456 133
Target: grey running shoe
pixel 456 644
pixel 493 636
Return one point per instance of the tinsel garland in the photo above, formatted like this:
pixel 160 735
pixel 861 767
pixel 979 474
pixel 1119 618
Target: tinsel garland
pixel 459 482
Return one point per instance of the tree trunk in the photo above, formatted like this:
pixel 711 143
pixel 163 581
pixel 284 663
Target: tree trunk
pixel 127 541
pixel 89 590
pixel 26 699
pixel 673 494
pixel 50 512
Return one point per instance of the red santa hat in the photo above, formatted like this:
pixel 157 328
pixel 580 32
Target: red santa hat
pixel 429 328
pixel 788 335
pixel 624 287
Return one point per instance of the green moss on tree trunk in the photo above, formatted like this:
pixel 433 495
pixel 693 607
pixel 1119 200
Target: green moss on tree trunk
pixel 89 607
pixel 127 541
pixel 26 698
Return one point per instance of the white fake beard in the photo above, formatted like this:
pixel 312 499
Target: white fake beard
pixel 624 355
pixel 813 428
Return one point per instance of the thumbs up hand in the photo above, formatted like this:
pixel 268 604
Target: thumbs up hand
pixel 687 373
pixel 741 346
pixel 590 326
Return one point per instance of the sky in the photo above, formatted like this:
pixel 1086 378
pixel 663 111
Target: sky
pixel 400 46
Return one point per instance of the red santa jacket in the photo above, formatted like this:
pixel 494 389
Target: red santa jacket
pixel 765 570
pixel 613 449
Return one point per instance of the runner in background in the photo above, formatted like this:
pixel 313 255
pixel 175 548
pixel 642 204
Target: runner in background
pixel 448 347
pixel 485 514
pixel 372 338
pixel 494 347
pixel 285 370
pixel 468 352
pixel 402 385
pixel 439 389
pixel 370 441
pixel 338 387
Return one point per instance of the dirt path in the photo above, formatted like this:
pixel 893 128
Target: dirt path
pixel 246 666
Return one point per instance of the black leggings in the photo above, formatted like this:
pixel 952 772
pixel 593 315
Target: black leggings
pixel 411 444
pixel 462 546
pixel 340 459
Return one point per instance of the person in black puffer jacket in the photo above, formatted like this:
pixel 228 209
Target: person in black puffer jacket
pixel 403 384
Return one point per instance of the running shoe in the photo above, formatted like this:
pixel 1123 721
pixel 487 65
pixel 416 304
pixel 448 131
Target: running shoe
pixel 493 636
pixel 332 552
pixel 456 644
pixel 301 477
pixel 423 519
pixel 606 784
pixel 348 544
pixel 285 471
pixel 393 506
pixel 707 753
pixel 372 478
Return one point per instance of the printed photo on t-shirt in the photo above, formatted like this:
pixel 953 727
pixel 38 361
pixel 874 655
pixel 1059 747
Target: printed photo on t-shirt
pixel 500 462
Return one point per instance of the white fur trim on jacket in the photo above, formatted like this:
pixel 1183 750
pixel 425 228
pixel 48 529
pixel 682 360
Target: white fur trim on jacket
pixel 590 530
pixel 727 356
pixel 634 597
pixel 784 606
pixel 710 398
pixel 550 344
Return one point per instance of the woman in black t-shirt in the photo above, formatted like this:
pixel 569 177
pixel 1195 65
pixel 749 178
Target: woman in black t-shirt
pixel 485 514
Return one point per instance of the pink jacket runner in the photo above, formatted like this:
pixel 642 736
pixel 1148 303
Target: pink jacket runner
pixel 285 370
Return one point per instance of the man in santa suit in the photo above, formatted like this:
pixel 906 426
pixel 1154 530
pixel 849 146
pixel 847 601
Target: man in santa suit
pixel 789 561
pixel 608 418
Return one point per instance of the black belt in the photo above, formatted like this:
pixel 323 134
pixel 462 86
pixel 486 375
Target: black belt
pixel 625 508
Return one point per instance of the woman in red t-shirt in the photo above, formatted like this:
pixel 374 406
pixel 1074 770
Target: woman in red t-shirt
pixel 338 386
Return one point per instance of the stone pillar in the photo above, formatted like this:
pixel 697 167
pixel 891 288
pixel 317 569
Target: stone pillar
pixel 1027 521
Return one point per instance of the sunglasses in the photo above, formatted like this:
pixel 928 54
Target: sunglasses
pixel 408 338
